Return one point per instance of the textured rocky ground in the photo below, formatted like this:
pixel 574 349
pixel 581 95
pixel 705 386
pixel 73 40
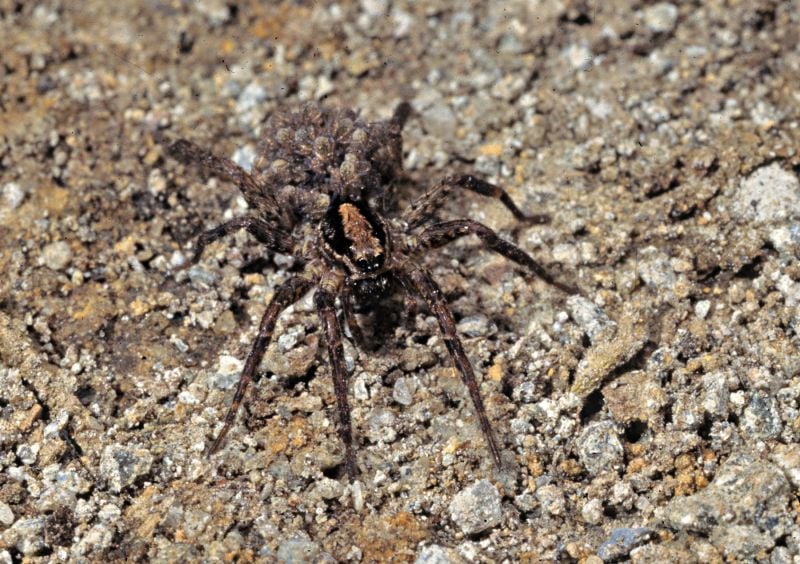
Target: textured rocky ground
pixel 653 418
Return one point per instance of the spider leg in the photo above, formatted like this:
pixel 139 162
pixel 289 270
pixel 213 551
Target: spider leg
pixel 420 281
pixel 349 314
pixel 265 233
pixel 190 154
pixel 286 294
pixel 324 300
pixel 401 114
pixel 432 199
pixel 443 233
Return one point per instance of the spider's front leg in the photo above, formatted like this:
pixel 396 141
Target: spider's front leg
pixel 448 231
pixel 325 298
pixel 286 294
pixel 432 199
pixel 272 238
pixel 266 232
pixel 420 282
pixel 257 196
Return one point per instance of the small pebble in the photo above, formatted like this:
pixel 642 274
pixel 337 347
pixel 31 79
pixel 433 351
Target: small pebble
pixel 589 317
pixel 244 157
pixel 325 87
pixel 358 496
pixel 702 308
pixel 188 398
pixel 217 11
pixel 622 541
pixel 179 343
pixel 655 269
pixel 761 419
pixel 785 238
pixel 592 511
pixel 599 448
pixel 436 554
pixel 177 259
pixel 661 17
pixel 329 489
pixel 29 535
pixel 6 514
pixel 109 513
pixel 565 253
pixel 289 339
pixel 156 182
pixel 298 549
pixel 57 256
pixel 551 499
pixel 715 393
pixel 12 195
pixel 27 453
pixel 404 22
pixel 380 426
pixel 122 465
pixel 253 95
pixel 474 325
pixel 579 56
pixel 401 392
pixel 227 375
pixel 200 276
pixel 769 194
pixel 787 458
pixel 375 8
pixel 477 508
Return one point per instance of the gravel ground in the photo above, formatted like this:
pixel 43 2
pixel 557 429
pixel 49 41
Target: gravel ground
pixel 654 417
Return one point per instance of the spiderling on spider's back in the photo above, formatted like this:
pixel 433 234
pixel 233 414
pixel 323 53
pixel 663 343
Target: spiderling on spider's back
pixel 316 193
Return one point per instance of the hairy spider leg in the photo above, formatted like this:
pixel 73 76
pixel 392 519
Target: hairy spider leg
pixel 349 315
pixel 446 232
pixel 265 233
pixel 420 281
pixel 286 294
pixel 432 199
pixel 190 154
pixel 325 300
pixel 400 116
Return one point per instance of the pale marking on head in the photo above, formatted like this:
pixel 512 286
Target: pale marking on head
pixel 359 231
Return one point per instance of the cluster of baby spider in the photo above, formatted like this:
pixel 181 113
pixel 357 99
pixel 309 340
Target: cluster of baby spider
pixel 314 193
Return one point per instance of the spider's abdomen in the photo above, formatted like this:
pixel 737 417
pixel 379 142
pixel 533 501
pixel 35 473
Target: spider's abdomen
pixel 354 237
pixel 327 150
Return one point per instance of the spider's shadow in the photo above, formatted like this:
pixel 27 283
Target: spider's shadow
pixel 378 320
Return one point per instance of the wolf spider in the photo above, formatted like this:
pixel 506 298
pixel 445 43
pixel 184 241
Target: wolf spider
pixel 316 190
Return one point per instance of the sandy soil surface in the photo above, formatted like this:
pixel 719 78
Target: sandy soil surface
pixel 653 417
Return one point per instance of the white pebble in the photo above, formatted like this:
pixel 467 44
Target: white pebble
pixel 12 195
pixel 661 17
pixel 6 515
pixel 358 497
pixel 477 508
pixel 768 194
pixel 701 308
pixel 57 256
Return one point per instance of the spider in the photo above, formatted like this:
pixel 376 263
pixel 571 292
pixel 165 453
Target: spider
pixel 316 191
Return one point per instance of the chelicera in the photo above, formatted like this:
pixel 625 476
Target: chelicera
pixel 316 192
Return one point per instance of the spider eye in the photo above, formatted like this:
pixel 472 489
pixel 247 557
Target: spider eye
pixel 365 265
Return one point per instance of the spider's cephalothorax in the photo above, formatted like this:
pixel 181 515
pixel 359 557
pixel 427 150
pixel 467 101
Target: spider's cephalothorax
pixel 311 192
pixel 354 237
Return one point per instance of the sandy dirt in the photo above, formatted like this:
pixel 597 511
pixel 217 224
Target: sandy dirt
pixel 653 417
